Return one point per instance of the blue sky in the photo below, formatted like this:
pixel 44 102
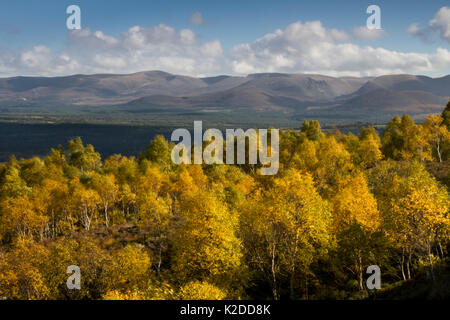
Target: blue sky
pixel 25 25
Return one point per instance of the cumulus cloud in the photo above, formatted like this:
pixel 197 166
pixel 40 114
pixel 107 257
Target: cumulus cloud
pixel 197 19
pixel 440 24
pixel 364 33
pixel 161 47
pixel 39 60
pixel 311 48
pixel 306 47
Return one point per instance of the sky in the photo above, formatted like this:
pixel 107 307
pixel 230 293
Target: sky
pixel 207 38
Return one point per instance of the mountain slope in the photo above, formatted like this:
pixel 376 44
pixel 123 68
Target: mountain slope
pixel 290 94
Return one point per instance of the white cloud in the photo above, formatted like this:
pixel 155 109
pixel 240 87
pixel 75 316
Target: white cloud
pixel 364 33
pixel 311 48
pixel 109 62
pixel 161 47
pixel 197 19
pixel 440 24
pixel 212 49
pixel 414 29
pixel 299 48
pixel 425 34
pixel 38 56
pixel 187 36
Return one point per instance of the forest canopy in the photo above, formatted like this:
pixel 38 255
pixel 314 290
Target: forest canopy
pixel 144 228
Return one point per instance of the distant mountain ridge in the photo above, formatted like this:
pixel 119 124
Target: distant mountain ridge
pixel 287 93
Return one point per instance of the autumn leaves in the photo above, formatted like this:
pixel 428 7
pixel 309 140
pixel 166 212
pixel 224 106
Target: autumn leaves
pixel 145 228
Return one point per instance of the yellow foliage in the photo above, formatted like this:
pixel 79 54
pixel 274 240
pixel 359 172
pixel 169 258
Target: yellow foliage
pixel 354 202
pixel 197 290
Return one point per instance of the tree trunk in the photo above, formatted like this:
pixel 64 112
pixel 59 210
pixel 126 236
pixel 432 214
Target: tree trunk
pixel 430 258
pixel 159 258
pixel 274 278
pixel 360 276
pixel 106 215
pixel 402 264
pixel 408 264
pixel 440 249
pixel 438 149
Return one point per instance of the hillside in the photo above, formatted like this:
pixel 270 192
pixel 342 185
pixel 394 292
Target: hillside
pixel 294 96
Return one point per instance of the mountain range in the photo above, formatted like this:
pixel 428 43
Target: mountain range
pixel 290 94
